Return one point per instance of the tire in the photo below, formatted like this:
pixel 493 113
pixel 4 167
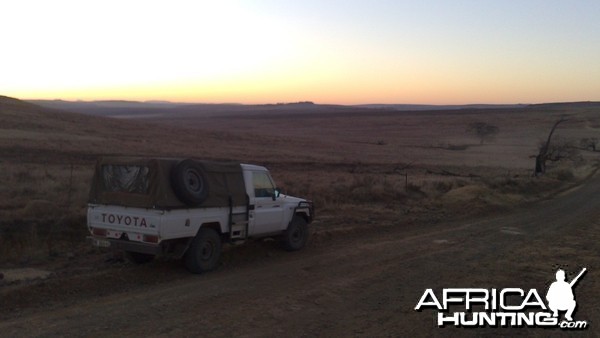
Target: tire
pixel 138 258
pixel 296 234
pixel 204 252
pixel 189 183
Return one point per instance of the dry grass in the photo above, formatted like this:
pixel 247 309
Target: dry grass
pixel 352 166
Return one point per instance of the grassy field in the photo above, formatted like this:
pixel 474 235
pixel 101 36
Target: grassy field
pixel 373 166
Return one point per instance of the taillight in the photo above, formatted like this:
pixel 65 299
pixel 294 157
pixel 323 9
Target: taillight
pixel 151 238
pixel 99 232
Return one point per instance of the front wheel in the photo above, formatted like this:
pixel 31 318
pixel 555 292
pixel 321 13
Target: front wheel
pixel 204 252
pixel 296 234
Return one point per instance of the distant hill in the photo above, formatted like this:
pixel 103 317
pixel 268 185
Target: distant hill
pixel 116 107
pixel 160 110
pixel 429 107
pixel 23 115
pixel 164 108
pixel 30 132
pixel 566 105
pixel 110 107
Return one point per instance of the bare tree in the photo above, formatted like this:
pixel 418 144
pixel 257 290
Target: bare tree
pixel 483 131
pixel 545 151
pixel 561 149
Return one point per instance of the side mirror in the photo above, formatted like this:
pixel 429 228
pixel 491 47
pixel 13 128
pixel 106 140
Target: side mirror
pixel 276 193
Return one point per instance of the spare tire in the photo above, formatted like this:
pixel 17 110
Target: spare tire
pixel 189 182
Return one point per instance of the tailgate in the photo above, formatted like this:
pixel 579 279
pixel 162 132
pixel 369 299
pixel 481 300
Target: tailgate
pixel 116 222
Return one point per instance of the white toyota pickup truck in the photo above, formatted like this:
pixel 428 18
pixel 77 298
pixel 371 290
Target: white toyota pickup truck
pixel 188 208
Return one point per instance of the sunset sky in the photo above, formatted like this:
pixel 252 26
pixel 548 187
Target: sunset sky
pixel 346 52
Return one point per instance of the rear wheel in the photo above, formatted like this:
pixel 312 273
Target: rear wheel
pixel 204 252
pixel 296 234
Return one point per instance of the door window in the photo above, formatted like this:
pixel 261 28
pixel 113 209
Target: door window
pixel 263 186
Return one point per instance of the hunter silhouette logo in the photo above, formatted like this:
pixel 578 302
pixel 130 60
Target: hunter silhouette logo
pixel 508 307
pixel 560 295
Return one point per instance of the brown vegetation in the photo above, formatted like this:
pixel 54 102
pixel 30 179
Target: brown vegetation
pixel 47 158
pixel 395 193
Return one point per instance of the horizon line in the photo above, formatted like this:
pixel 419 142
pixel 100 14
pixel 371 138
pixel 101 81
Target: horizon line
pixel 309 102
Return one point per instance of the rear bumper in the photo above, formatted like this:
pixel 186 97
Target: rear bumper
pixel 119 244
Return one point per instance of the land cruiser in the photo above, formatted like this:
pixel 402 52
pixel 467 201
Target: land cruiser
pixel 187 208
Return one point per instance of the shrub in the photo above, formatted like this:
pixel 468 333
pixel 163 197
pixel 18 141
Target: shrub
pixel 443 186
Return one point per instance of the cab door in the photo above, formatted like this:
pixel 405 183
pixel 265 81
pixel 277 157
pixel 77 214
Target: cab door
pixel 267 216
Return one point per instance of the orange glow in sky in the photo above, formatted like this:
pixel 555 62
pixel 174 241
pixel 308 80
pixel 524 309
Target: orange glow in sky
pixel 346 52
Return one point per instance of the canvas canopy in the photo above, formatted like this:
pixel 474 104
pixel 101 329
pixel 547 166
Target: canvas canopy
pixel 146 183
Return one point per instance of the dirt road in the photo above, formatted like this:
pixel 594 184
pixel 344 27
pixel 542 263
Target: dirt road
pixel 365 283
